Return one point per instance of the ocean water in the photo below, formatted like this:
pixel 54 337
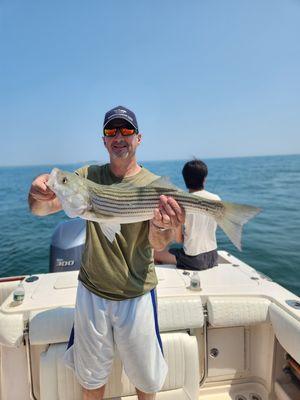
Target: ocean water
pixel 271 241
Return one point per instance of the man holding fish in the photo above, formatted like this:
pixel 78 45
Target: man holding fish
pixel 115 297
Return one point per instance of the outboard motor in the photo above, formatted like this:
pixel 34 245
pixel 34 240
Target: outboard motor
pixel 67 245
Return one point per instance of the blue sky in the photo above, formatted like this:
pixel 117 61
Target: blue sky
pixel 205 78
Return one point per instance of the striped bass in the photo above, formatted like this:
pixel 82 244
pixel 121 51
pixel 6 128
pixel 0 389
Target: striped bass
pixel 123 203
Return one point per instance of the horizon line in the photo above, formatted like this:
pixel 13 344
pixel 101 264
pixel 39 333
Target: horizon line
pixel 142 161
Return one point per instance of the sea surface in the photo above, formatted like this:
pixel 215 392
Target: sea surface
pixel 271 241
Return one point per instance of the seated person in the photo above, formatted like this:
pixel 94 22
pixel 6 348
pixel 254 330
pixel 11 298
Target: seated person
pixel 198 234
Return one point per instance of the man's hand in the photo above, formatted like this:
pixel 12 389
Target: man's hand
pixel 169 214
pixel 41 199
pixel 39 189
pixel 168 217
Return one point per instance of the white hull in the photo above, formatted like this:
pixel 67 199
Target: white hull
pixel 227 341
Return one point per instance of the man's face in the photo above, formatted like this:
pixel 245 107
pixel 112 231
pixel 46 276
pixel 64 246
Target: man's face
pixel 119 146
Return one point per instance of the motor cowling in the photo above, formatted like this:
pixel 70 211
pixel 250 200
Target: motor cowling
pixel 67 245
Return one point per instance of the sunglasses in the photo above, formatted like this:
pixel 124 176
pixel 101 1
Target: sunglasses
pixel 124 131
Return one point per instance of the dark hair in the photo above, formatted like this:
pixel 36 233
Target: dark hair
pixel 194 172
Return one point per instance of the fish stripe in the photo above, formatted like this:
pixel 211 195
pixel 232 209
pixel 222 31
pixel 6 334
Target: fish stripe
pixel 136 208
pixel 135 201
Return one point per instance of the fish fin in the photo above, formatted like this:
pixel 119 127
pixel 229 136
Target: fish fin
pixel 160 183
pixel 110 230
pixel 128 186
pixel 164 182
pixel 233 219
pixel 71 214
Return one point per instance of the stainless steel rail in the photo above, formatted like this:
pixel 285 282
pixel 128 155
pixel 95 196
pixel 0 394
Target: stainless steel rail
pixel 28 358
pixel 205 357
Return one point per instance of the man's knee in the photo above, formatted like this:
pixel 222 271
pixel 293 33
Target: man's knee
pixel 93 394
pixel 145 396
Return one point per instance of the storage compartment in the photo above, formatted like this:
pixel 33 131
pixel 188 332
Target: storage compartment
pixel 286 375
pixel 226 353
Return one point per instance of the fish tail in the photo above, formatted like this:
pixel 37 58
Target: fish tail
pixel 233 219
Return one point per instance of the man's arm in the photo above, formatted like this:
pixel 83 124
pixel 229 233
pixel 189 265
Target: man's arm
pixel 166 222
pixel 41 199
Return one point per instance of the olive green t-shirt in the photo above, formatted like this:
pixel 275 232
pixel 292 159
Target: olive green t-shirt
pixel 124 268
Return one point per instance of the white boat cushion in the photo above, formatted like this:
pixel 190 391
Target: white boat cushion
pixel 182 382
pixel 179 313
pixel 11 326
pixel 237 311
pixel 51 326
pixel 11 329
pixel 287 330
pixel 54 326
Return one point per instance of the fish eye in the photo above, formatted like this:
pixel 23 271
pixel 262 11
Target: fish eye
pixel 64 179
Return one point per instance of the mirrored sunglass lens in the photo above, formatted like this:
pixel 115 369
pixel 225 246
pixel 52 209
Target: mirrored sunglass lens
pixel 110 132
pixel 127 131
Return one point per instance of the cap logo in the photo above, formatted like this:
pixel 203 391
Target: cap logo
pixel 122 113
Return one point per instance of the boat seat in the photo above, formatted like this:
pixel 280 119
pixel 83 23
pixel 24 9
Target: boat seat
pixel 11 329
pixel 237 311
pixel 287 330
pixel 11 326
pixel 182 382
pixel 174 314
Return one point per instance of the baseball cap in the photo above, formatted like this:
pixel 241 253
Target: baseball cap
pixel 121 112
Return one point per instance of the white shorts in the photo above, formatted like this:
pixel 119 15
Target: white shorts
pixel 132 325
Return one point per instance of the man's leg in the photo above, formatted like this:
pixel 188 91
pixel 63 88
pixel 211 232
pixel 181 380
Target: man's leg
pixel 90 353
pixel 96 394
pixel 137 337
pixel 145 396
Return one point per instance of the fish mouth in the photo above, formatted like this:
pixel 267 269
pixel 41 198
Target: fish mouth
pixel 52 178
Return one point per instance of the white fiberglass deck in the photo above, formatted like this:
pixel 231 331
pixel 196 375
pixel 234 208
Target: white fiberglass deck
pixel 227 341
pixel 232 278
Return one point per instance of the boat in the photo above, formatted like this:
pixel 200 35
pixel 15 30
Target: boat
pixel 236 337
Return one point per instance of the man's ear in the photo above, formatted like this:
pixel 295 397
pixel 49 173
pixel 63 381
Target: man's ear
pixel 104 142
pixel 139 138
